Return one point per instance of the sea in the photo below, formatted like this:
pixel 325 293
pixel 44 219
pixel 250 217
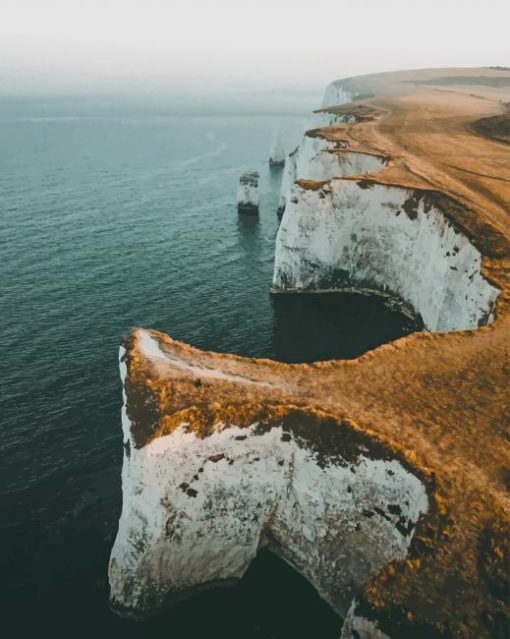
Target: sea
pixel 117 212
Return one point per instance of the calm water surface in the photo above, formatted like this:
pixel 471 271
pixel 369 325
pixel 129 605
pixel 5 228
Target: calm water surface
pixel 115 215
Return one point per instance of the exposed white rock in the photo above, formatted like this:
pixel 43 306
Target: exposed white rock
pixel 327 118
pixel 196 510
pixel 336 93
pixel 319 159
pixel 248 193
pixel 357 627
pixel 277 153
pixel 387 239
pixel 288 179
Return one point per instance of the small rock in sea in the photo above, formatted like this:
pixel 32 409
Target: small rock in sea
pixel 248 193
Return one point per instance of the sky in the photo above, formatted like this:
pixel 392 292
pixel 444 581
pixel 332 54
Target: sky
pixel 67 46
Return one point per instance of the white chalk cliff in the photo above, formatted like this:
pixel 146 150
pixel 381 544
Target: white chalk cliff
pixel 313 150
pixel 356 234
pixel 197 509
pixel 353 235
pixel 338 92
pixel 319 159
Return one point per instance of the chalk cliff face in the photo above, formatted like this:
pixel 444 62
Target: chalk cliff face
pixel 197 507
pixel 354 234
pixel 300 159
pixel 288 179
pixel 337 93
pixel 319 159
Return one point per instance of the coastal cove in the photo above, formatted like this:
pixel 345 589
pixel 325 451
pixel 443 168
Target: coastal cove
pixel 117 214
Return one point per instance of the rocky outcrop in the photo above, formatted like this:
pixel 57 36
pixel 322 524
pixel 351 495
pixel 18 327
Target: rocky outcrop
pixel 277 153
pixel 248 193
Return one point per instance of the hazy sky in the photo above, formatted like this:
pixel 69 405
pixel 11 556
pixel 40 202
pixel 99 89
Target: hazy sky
pixel 96 45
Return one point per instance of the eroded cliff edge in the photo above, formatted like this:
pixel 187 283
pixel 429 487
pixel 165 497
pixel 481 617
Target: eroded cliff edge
pixel 384 480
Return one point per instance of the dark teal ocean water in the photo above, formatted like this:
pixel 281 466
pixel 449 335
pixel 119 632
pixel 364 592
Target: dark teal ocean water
pixel 114 214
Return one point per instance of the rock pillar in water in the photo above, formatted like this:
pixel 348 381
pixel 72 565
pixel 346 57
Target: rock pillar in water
pixel 248 193
pixel 277 155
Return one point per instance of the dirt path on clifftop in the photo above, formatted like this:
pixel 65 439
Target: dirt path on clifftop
pixel 434 137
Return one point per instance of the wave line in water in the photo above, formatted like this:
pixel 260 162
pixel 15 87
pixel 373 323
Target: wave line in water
pixel 222 146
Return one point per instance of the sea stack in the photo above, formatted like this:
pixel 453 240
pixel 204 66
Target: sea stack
pixel 248 193
pixel 277 154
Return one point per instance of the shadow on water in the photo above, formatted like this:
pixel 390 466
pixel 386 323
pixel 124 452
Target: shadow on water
pixel 271 601
pixel 248 227
pixel 275 174
pixel 319 326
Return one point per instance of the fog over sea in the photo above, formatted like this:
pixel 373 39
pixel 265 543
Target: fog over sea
pixel 117 213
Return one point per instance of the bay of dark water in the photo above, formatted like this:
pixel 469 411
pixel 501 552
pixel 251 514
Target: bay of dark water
pixel 116 214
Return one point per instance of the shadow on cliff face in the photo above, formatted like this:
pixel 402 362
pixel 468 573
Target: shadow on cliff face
pixel 318 326
pixel 272 601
